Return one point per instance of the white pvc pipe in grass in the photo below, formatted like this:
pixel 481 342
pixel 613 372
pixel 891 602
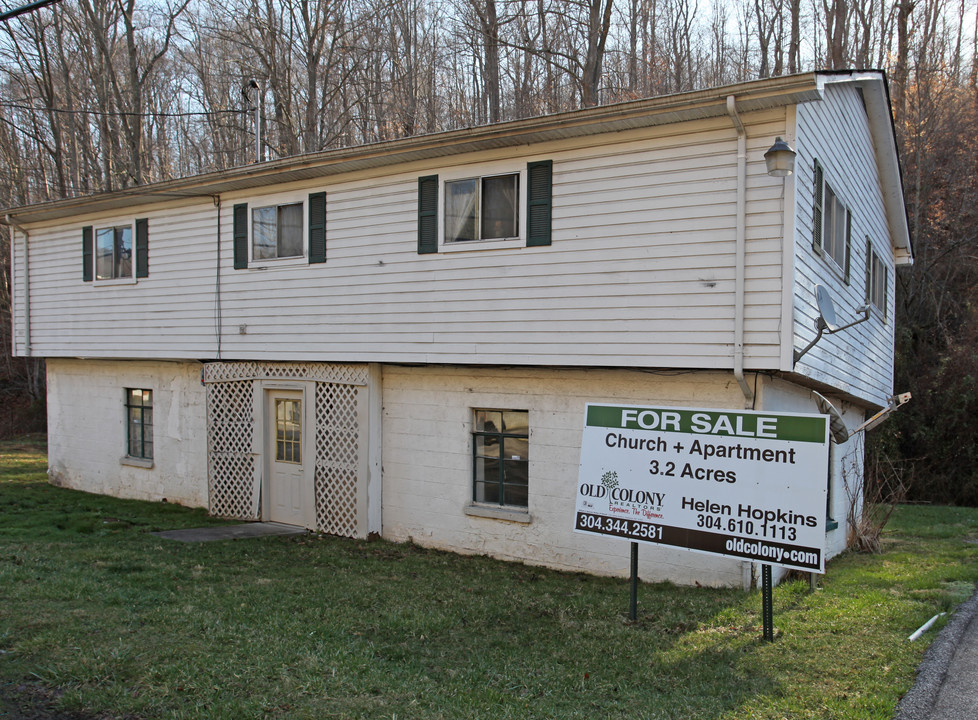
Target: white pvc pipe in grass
pixel 925 627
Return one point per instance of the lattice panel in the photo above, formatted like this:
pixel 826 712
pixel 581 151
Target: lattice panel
pixel 338 444
pixel 321 372
pixel 230 464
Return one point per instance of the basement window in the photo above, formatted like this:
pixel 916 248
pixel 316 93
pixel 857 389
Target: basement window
pixel 501 457
pixel 139 424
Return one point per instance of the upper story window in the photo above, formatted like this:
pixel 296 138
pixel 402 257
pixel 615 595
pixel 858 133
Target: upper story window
pixel 509 208
pixel 832 224
pixel 276 232
pixel 282 231
pixel 115 252
pixel 486 208
pixel 876 279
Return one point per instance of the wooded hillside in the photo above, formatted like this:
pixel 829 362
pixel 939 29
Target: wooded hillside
pixel 99 95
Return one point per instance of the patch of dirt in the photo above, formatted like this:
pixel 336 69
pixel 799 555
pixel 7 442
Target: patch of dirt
pixel 30 702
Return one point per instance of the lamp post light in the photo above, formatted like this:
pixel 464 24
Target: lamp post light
pixel 780 159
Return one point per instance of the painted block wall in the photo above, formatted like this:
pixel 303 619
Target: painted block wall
pixel 427 460
pixel 87 429
pixel 846 460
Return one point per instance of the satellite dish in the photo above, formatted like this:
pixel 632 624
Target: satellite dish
pixel 826 320
pixel 826 308
pixel 837 426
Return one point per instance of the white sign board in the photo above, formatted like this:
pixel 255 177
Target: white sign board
pixel 738 483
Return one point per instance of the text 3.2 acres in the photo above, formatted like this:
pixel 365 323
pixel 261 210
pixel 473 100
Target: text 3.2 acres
pixel 669 469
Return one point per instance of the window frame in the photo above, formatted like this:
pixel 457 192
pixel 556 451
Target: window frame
pixel 500 435
pixel 302 203
pixel 875 260
pixel 123 224
pixel 825 193
pixel 484 172
pixel 142 442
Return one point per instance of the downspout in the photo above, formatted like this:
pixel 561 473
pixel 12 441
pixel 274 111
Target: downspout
pixel 740 252
pixel 27 281
pixel 218 313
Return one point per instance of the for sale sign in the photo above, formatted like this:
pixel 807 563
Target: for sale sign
pixel 742 483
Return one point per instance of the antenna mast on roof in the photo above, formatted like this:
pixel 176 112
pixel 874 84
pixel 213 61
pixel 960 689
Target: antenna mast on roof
pixel 245 93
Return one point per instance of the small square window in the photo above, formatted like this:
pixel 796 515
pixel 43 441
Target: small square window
pixel 276 232
pixel 139 423
pixel 485 208
pixel 876 280
pixel 113 253
pixel 501 457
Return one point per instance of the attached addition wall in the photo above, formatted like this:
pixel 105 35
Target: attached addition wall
pixel 87 430
pixel 836 135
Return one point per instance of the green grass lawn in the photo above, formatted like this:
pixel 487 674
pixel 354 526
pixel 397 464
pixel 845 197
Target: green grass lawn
pixel 100 616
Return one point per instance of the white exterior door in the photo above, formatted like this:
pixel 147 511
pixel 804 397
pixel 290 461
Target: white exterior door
pixel 288 455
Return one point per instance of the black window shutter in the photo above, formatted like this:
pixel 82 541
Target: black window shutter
pixel 869 270
pixel 817 210
pixel 886 288
pixel 142 247
pixel 317 227
pixel 428 214
pixel 539 203
pixel 240 236
pixel 87 253
pixel 848 242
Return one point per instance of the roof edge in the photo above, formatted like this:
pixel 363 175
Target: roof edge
pixel 664 109
pixel 876 96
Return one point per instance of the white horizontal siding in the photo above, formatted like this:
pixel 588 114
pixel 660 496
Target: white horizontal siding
pixel 640 273
pixel 859 360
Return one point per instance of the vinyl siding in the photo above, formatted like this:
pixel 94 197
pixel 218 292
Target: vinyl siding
pixel 858 361
pixel 640 272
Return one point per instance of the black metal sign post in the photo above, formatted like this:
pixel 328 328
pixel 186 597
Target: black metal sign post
pixel 767 603
pixel 633 607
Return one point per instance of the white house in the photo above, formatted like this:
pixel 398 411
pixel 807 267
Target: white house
pixel 400 339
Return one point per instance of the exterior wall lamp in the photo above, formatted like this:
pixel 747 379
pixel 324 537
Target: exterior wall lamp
pixel 780 159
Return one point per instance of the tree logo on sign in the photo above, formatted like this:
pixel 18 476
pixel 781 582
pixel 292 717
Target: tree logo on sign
pixel 610 479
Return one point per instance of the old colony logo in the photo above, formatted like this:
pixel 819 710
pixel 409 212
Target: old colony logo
pixel 624 501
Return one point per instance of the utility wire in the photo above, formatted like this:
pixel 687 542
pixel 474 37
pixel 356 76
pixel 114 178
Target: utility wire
pixel 109 113
pixel 30 7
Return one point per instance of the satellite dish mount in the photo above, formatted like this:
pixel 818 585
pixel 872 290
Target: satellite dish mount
pixel 826 322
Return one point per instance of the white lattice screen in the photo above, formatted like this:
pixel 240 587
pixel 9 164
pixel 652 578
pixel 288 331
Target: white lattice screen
pixel 321 372
pixel 231 467
pixel 337 458
pixel 233 476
